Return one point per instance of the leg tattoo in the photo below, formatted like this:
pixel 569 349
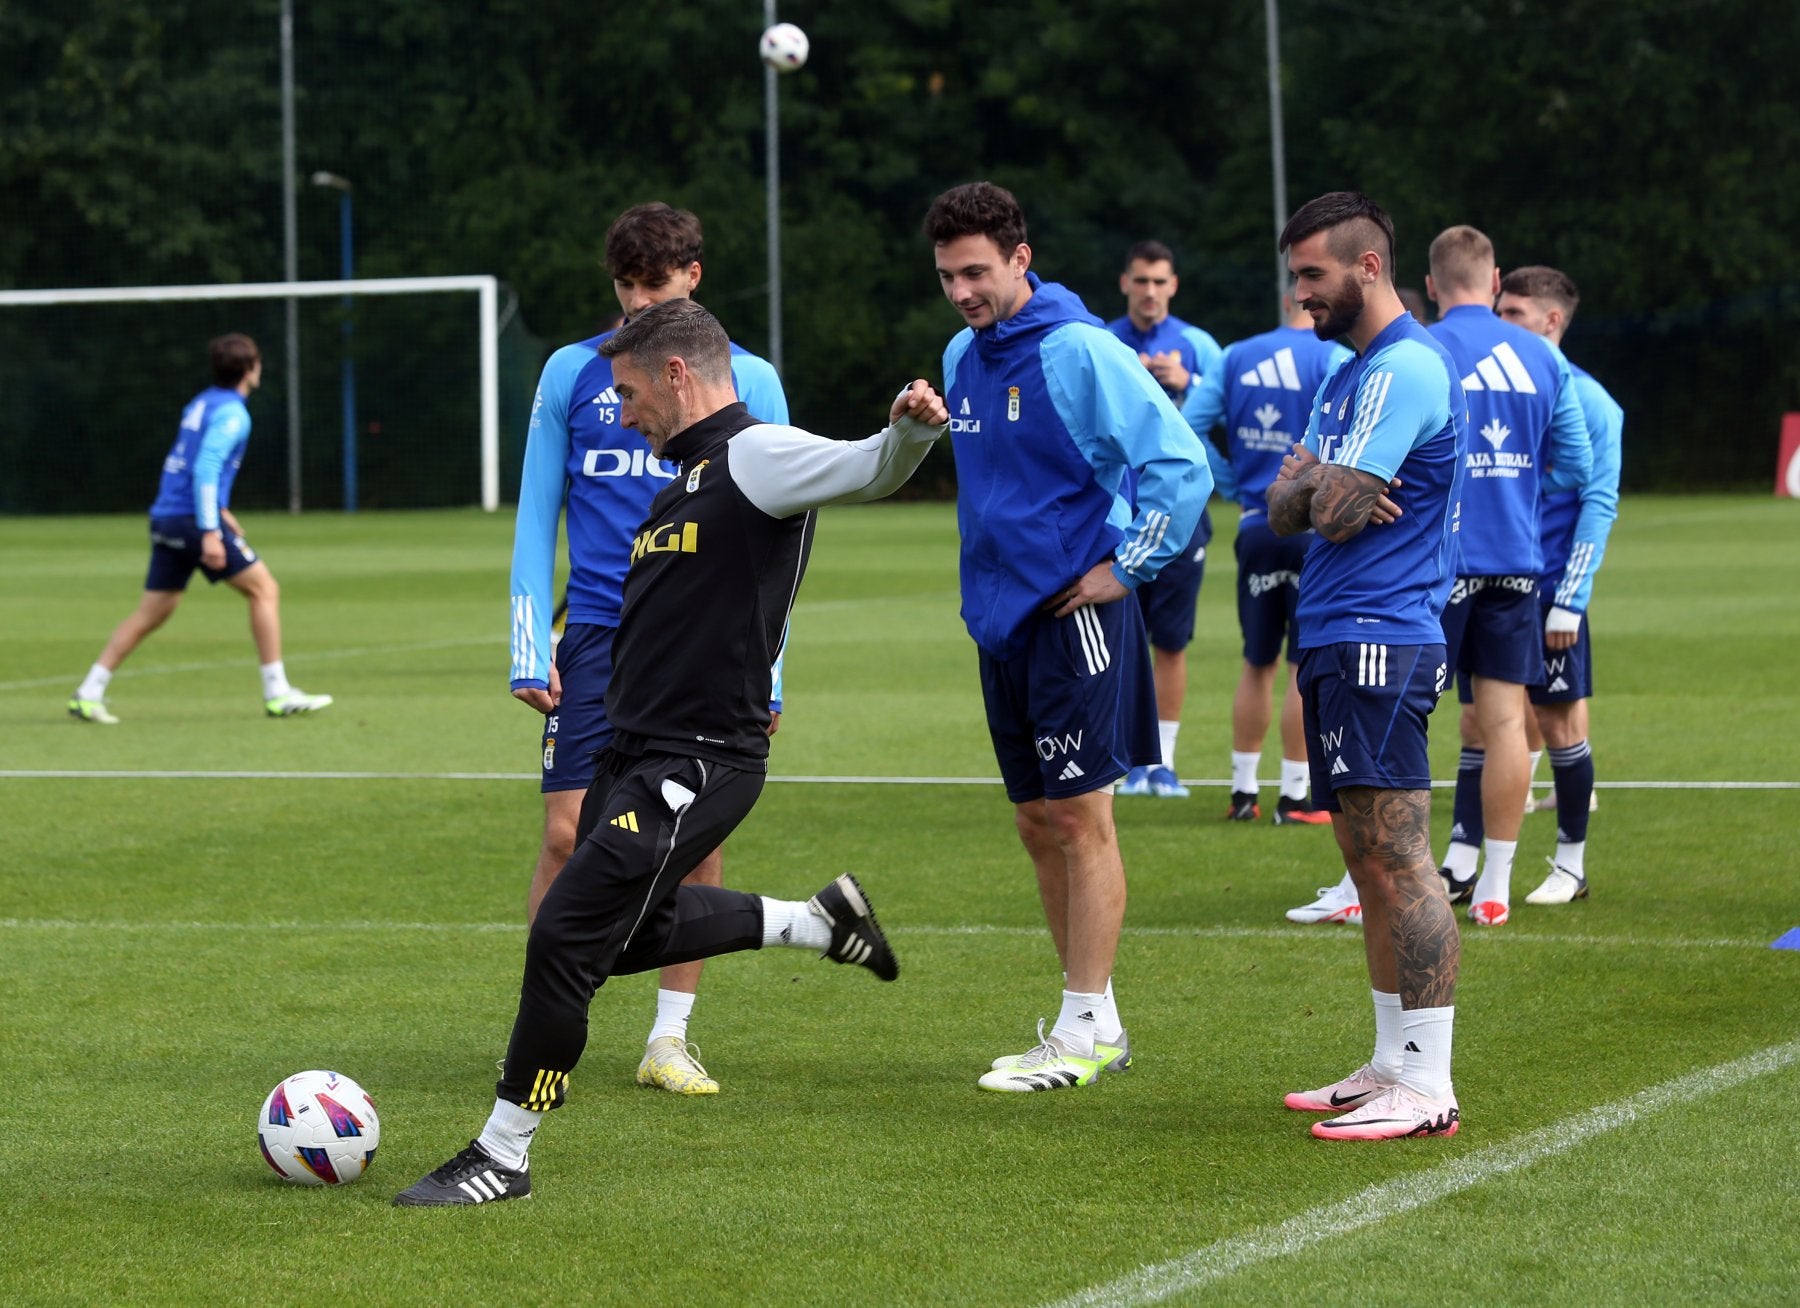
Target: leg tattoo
pixel 1390 832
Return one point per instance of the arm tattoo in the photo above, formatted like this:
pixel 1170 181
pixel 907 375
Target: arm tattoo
pixel 1390 833
pixel 1290 504
pixel 1343 501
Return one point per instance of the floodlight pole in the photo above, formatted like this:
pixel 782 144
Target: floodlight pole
pixel 1277 147
pixel 290 244
pixel 772 151
pixel 347 265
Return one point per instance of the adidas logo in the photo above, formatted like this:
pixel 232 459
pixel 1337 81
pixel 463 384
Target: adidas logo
pixel 607 396
pixel 1412 1048
pixel 1277 371
pixel 1496 433
pixel 1338 766
pixel 628 821
pixel 1559 686
pixel 1085 1017
pixel 1070 773
pixel 1500 371
pixel 1268 416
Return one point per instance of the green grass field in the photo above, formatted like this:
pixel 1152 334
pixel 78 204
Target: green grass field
pixel 201 901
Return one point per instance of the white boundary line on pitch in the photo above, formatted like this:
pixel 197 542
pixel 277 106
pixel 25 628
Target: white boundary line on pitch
pixel 1378 1203
pixel 1270 933
pixel 497 640
pixel 182 774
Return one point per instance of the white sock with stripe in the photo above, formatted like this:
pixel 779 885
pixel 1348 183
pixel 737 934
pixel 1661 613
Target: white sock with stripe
pixel 673 1008
pixel 507 1136
pixel 1427 1050
pixel 793 923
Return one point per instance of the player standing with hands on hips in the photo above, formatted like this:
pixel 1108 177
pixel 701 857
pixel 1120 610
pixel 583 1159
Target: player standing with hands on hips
pixel 713 574
pixel 1049 414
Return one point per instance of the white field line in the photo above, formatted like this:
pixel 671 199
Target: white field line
pixel 496 641
pixel 176 774
pixel 1295 934
pixel 1379 1203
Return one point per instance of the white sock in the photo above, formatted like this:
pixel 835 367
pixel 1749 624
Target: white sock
pixel 1107 1025
pixel 275 680
pixel 95 684
pixel 1295 777
pixel 1569 855
pixel 507 1136
pixel 1243 771
pixel 1427 1032
pixel 1168 731
pixel 1389 1057
pixel 790 922
pixel 1536 754
pixel 1074 1028
pixel 1461 858
pixel 1496 872
pixel 673 1008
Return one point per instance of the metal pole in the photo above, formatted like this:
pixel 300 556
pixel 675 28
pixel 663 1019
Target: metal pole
pixel 772 148
pixel 1277 146
pixel 290 233
pixel 489 309
pixel 344 230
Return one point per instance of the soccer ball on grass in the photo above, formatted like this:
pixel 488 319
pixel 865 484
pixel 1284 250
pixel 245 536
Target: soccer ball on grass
pixel 783 47
pixel 318 1128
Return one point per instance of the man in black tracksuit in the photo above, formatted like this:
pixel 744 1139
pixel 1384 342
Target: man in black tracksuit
pixel 713 575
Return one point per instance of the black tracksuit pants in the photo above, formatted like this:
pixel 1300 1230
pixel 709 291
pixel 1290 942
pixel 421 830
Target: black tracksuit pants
pixel 619 906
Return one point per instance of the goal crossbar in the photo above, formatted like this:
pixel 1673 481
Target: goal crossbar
pixel 485 285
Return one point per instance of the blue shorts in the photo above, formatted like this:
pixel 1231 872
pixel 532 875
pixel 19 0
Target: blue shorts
pixel 578 729
pixel 1492 628
pixel 1268 589
pixel 1568 676
pixel 1168 602
pixel 1077 709
pixel 175 554
pixel 1366 708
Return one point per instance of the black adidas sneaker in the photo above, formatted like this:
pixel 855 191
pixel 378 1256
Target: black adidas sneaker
pixel 855 934
pixel 472 1177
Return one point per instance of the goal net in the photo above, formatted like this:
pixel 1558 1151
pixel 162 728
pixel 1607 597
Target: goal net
pixel 436 392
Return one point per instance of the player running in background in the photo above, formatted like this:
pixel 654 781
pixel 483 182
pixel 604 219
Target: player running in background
pixel 578 452
pixel 1377 478
pixel 712 576
pixel 1178 354
pixel 1262 393
pixel 1523 414
pixel 1575 528
pixel 1049 415
pixel 192 526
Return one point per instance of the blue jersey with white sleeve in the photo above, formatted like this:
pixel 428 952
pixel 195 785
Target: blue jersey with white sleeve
pixel 1523 416
pixel 1396 410
pixel 1048 412
pixel 1577 523
pixel 1262 392
pixel 577 452
pixel 200 467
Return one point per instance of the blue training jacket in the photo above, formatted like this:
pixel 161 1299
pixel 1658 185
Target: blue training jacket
pixel 200 467
pixel 1048 412
pixel 1577 523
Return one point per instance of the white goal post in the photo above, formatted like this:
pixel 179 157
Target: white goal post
pixel 484 285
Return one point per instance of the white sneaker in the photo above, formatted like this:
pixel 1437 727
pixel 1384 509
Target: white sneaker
pixel 1339 903
pixel 1394 1114
pixel 1560 887
pixel 1548 803
pixel 294 701
pixel 1047 1067
pixel 1354 1090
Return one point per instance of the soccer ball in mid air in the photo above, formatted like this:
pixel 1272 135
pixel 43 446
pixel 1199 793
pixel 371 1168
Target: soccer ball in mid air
pixel 318 1128
pixel 783 47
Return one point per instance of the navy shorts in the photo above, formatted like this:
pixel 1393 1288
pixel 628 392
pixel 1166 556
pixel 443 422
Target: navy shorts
pixel 175 554
pixel 1568 676
pixel 1366 708
pixel 1077 709
pixel 1168 602
pixel 1268 589
pixel 577 729
pixel 1492 628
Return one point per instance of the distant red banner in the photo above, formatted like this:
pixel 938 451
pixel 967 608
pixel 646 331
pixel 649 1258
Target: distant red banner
pixel 1787 467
